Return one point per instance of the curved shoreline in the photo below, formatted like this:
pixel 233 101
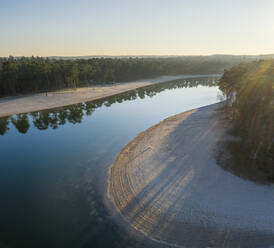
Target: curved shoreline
pixel 166 184
pixel 41 101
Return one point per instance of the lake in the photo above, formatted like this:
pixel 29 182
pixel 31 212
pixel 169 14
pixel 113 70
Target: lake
pixel 53 167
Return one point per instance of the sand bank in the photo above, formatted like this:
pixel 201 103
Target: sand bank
pixel 36 102
pixel 166 184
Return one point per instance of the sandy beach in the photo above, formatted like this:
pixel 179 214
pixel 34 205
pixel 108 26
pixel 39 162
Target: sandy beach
pixel 36 102
pixel 166 184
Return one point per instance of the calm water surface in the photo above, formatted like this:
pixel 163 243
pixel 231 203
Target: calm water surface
pixel 53 163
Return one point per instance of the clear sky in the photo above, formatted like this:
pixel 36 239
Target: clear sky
pixel 136 27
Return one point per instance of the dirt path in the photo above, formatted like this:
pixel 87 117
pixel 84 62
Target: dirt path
pixel 166 184
pixel 35 102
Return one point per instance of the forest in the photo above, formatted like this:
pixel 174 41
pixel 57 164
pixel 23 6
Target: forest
pixel 252 112
pixel 21 75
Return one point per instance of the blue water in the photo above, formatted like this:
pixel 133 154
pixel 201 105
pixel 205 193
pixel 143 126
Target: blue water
pixel 53 163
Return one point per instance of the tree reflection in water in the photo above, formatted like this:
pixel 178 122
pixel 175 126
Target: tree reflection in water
pixel 74 114
pixel 4 125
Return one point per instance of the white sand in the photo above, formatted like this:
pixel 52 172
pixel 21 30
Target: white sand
pixel 167 185
pixel 35 102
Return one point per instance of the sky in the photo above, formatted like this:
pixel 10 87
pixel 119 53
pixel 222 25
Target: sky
pixel 136 27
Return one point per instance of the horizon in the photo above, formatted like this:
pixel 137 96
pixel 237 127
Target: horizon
pixel 135 55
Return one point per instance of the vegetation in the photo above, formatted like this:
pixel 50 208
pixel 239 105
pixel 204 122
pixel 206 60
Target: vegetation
pixel 252 113
pixel 36 74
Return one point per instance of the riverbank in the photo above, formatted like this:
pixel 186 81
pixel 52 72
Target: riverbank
pixel 42 101
pixel 166 184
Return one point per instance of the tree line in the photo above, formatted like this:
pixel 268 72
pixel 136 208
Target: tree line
pixel 252 111
pixel 20 75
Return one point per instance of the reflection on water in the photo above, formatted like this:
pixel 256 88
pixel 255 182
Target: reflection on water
pixel 4 125
pixel 54 118
pixel 53 164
